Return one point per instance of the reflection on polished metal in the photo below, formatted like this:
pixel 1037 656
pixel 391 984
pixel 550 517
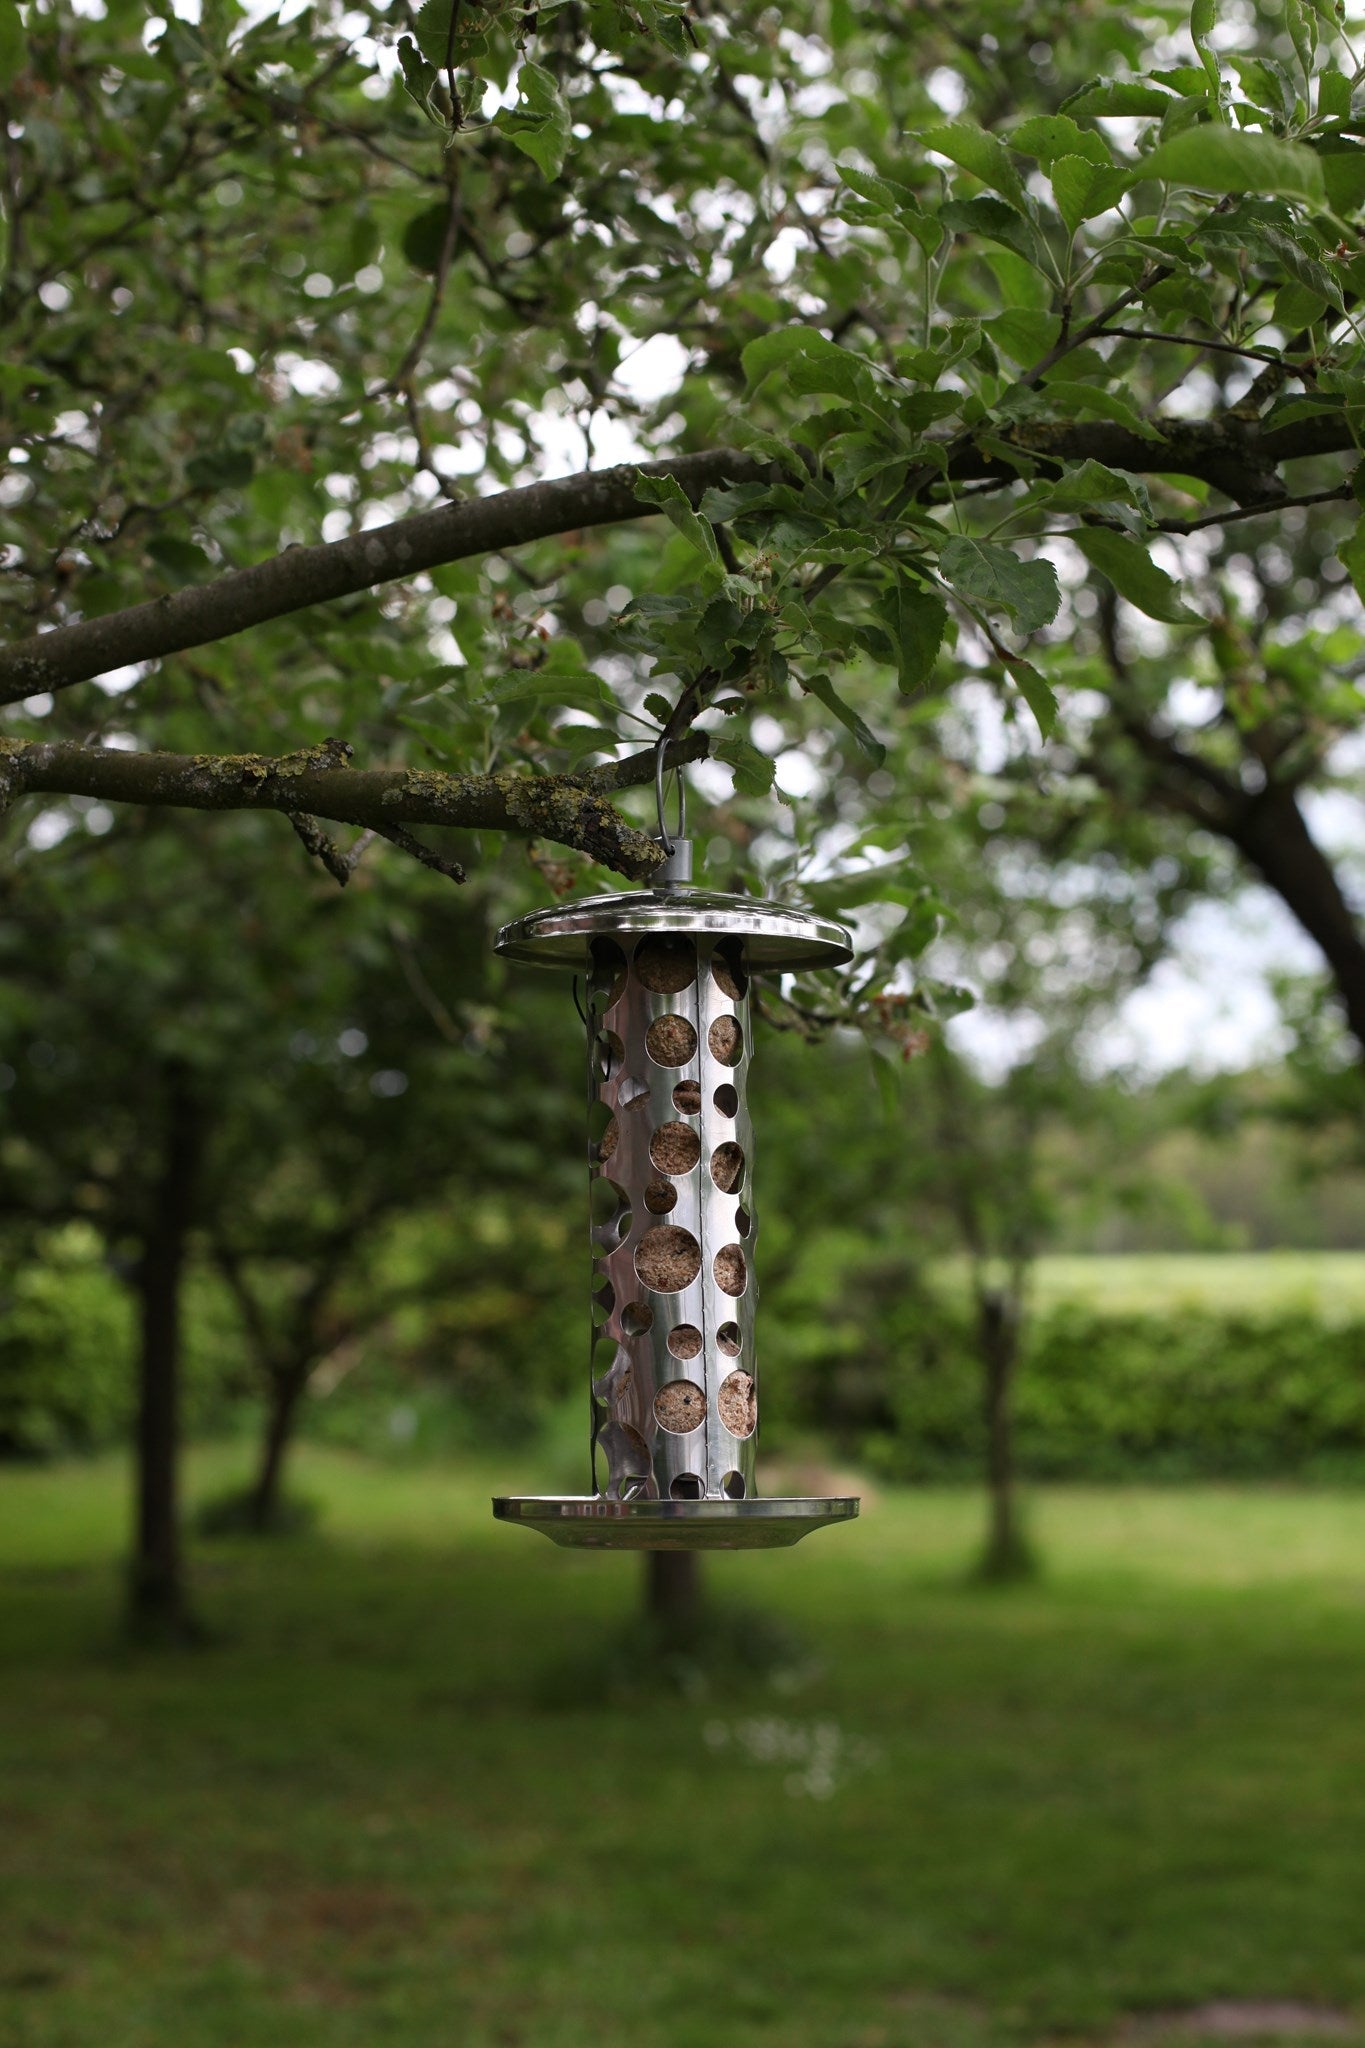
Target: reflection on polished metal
pixel 674 1379
pixel 591 1523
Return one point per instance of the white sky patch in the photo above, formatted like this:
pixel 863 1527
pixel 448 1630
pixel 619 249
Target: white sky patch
pixel 947 89
pixel 653 370
pixel 307 376
pixel 1208 1006
pixel 779 259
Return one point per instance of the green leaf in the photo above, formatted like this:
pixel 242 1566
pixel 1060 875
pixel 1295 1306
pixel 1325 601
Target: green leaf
pixel 916 621
pixel 981 154
pixel 833 370
pixel 1315 277
pixel 991 217
pixel 580 688
pixel 424 237
pixel 1118 96
pixel 1352 553
pixel 1048 136
pixel 1093 483
pixel 672 500
pixel 823 688
pixel 1023 335
pixel 1203 17
pixel 1081 189
pixel 179 560
pixel 994 577
pixel 1268 85
pixel 418 76
pixel 13 43
pixel 716 631
pixel 1343 173
pixel 754 771
pixel 541 126
pixel 1106 405
pixel 1035 690
pixel 1334 96
pixel 883 192
pixel 1216 159
pixel 1134 574
pixel 732 501
pixel 826 366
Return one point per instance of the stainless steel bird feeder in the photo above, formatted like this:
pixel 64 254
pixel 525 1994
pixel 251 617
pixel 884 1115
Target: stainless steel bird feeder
pixel 674 1378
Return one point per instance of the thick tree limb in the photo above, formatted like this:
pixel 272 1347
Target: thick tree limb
pixel 312 575
pixel 574 811
pixel 1235 456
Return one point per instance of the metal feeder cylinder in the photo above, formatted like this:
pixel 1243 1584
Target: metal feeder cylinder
pixel 674 1374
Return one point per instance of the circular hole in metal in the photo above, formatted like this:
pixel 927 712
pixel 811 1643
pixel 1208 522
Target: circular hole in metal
pixel 613 1235
pixel 686 1486
pixel 726 1040
pixel 727 970
pixel 726 1099
pixel 606 1199
pixel 633 1094
pixel 685 1341
pixel 668 1258
pixel 670 1041
pixel 744 1222
pixel 727 1166
pixel 665 963
pixel 636 1318
pixel 607 1143
pixel 732 1274
pixel 660 1197
pixel 733 1487
pixel 736 1405
pixel 675 1148
pixel 728 1339
pixel 680 1407
pixel 608 974
pixel 603 1302
pixel 687 1098
pixel 608 1053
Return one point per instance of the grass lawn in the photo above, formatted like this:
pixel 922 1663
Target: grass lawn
pixel 1327 1284
pixel 396 1801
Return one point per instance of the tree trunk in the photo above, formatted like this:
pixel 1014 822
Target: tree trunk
pixel 157 1608
pixel 673 1595
pixel 1273 835
pixel 285 1391
pixel 1006 1554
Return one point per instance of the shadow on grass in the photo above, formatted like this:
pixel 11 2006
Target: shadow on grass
pixel 728 1652
pixel 236 1513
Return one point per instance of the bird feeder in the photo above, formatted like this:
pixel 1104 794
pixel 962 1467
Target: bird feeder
pixel 675 1389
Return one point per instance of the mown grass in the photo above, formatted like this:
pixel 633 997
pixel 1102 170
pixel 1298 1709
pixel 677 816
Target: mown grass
pixel 1326 1284
pixel 417 1788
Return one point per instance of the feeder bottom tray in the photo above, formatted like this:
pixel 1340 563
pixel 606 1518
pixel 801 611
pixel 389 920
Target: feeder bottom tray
pixel 591 1522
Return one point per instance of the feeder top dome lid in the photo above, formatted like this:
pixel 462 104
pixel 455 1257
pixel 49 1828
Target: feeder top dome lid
pixel 775 936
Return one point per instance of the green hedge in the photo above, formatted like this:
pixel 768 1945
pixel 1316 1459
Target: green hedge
pixel 1162 1396
pixel 68 1335
pixel 887 1372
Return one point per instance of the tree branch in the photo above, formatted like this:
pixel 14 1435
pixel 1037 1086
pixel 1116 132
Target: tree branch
pixel 572 810
pixel 1235 456
pixel 304 576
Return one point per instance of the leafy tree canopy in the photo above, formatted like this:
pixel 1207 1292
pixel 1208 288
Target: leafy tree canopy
pixel 999 347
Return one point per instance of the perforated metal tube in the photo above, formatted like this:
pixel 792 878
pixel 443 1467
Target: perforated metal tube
pixel 674 1378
